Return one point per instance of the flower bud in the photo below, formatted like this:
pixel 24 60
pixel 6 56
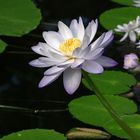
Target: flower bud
pixel 130 61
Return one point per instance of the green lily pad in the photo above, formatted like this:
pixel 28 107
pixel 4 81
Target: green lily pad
pixel 133 121
pixel 18 17
pixel 112 82
pixel 124 2
pixel 2 46
pixel 88 109
pixel 35 134
pixel 118 16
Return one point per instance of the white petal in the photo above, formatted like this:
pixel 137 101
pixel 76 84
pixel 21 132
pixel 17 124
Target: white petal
pixel 46 50
pixel 74 27
pixel 59 56
pixel 92 67
pixel 64 31
pixel 77 29
pixel 46 80
pixel 107 38
pixel 65 63
pixel 94 54
pixel 81 53
pixel 81 30
pixel 106 61
pixel 54 70
pixel 40 48
pixel 97 42
pixel 41 64
pixel 85 43
pixel 124 37
pixel 77 62
pixel 71 80
pixel 53 39
pixel 92 29
pixel 132 36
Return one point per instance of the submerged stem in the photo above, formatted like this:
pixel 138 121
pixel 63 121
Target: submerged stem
pixel 111 111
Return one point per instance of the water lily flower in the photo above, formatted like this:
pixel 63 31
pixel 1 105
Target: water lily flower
pixel 136 3
pixel 130 61
pixel 138 44
pixel 71 49
pixel 131 30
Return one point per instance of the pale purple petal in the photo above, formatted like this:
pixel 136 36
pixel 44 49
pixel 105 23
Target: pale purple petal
pixel 94 54
pixel 97 42
pixel 107 39
pixel 92 67
pixel 54 39
pixel 41 64
pixel 65 63
pixel 54 70
pixel 64 31
pixel 46 80
pixel 106 61
pixel 46 60
pixel 71 80
pixel 130 61
pixel 77 62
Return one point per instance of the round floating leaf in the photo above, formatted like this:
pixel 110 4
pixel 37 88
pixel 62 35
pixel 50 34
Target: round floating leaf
pixel 133 121
pixel 112 82
pixel 2 46
pixel 88 109
pixel 35 134
pixel 18 17
pixel 118 16
pixel 124 2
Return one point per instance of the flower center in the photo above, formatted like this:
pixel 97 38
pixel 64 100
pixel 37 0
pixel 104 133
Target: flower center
pixel 68 46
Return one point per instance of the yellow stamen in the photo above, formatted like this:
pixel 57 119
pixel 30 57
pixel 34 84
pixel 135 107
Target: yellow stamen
pixel 68 46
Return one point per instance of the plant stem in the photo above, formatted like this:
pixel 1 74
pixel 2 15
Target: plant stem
pixel 109 108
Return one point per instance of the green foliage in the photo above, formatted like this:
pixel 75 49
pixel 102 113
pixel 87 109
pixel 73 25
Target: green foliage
pixel 118 16
pixel 89 109
pixel 2 46
pixel 35 134
pixel 112 82
pixel 132 120
pixel 124 2
pixel 18 17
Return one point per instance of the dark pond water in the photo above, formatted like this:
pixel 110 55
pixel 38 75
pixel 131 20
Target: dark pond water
pixel 26 106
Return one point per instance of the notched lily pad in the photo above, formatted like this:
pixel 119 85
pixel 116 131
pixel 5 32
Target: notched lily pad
pixel 118 16
pixel 89 109
pixel 35 134
pixel 112 82
pixel 18 17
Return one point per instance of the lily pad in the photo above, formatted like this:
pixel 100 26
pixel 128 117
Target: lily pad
pixel 88 109
pixel 133 121
pixel 35 134
pixel 18 17
pixel 112 82
pixel 118 16
pixel 124 2
pixel 2 46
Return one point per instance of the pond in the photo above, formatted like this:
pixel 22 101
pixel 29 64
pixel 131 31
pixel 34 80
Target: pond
pixel 25 106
